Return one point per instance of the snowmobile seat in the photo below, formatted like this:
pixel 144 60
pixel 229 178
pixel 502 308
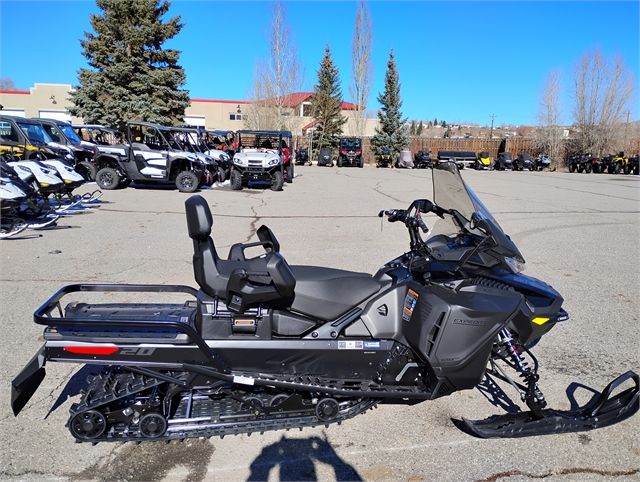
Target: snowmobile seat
pixel 240 282
pixel 327 293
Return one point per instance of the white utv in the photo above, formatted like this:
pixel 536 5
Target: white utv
pixel 260 158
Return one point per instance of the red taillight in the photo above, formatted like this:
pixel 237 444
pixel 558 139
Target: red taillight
pixel 91 350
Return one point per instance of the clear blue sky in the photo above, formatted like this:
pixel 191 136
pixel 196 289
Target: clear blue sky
pixel 458 61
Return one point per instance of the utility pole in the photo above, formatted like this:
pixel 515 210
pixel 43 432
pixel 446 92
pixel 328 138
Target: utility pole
pixel 626 139
pixel 493 116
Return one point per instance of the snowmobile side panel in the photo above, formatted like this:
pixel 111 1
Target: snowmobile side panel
pixel 25 384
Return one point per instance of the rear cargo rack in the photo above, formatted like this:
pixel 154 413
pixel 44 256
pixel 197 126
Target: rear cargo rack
pixel 44 315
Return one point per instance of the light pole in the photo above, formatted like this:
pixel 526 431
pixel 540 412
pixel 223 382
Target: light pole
pixel 493 116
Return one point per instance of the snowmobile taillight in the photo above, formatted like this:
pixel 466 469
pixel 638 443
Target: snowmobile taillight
pixel 92 350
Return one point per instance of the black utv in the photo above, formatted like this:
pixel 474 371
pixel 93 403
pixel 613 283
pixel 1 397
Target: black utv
pixel 350 152
pixel 302 156
pixel 150 156
pixel 325 157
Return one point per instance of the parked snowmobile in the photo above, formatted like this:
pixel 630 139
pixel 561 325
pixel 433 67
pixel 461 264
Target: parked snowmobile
pixel 541 162
pixel 422 160
pixel 484 161
pixel 383 157
pixel 503 162
pixel 522 162
pixel 404 160
pixel 263 345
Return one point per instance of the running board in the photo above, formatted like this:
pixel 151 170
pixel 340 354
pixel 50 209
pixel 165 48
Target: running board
pixel 602 411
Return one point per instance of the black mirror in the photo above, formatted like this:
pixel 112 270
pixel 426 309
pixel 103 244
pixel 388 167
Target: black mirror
pixel 424 205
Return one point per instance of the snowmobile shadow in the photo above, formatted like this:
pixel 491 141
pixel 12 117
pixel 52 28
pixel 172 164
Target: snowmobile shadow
pixel 496 395
pixel 73 387
pixel 296 460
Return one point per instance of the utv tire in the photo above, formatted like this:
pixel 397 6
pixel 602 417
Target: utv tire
pixel 108 178
pixel 339 161
pixel 361 163
pixel 626 169
pixel 277 181
pixel 187 181
pixel 87 170
pixel 572 168
pixel 289 169
pixel 235 180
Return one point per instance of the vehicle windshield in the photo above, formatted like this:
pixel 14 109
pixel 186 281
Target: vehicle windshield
pixel 350 143
pixel 35 133
pixel 452 193
pixel 70 134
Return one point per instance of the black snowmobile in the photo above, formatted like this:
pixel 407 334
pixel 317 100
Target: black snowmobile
pixel 422 160
pixel 263 345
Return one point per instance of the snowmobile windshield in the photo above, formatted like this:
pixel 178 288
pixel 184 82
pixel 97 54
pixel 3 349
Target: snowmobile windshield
pixel 452 193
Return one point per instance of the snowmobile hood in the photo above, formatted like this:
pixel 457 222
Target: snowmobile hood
pixel 65 171
pixel 9 191
pixel 43 174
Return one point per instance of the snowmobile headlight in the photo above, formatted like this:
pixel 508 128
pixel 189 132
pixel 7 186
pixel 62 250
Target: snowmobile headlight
pixel 68 181
pixel 273 162
pixel 514 265
pixel 44 184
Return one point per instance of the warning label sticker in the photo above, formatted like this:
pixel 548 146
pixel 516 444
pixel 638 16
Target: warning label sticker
pixel 350 345
pixel 409 304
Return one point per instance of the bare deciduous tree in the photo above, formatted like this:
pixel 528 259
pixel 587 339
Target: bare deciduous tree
pixel 276 78
pixel 550 132
pixel 6 83
pixel 361 67
pixel 603 91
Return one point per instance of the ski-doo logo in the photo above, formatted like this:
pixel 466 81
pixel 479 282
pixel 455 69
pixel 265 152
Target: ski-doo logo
pixel 383 310
pixel 459 321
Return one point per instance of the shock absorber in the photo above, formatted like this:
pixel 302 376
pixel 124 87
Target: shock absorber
pixel 533 396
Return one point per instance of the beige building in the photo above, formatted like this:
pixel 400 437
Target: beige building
pixel 52 101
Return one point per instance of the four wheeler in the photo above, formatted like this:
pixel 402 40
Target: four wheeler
pixel 405 160
pixel 503 162
pixel 350 153
pixel 62 134
pixel 302 156
pixel 262 156
pixel 325 157
pixel 483 161
pixel 522 162
pixel 461 159
pixel 541 162
pixel 616 163
pixel 264 345
pixel 383 157
pixel 586 163
pixel 422 160
pixel 148 158
pixel 634 164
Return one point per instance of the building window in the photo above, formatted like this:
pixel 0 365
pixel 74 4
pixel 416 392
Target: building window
pixel 233 116
pixel 306 110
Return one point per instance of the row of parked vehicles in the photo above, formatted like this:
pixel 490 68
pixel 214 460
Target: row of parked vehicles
pixel 612 164
pixel 149 153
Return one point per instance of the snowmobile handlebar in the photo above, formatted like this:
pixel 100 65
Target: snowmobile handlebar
pixel 412 219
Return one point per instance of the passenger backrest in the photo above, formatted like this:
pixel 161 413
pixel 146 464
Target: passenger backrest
pixel 205 257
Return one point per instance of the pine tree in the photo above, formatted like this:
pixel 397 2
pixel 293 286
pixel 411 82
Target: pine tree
pixel 412 128
pixel 435 121
pixel 420 129
pixel 131 76
pixel 391 131
pixel 326 104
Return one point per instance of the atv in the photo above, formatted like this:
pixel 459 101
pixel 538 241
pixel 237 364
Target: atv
pixel 422 160
pixel 522 162
pixel 587 163
pixel 483 161
pixel 350 153
pixel 616 164
pixel 634 164
pixel 383 157
pixel 148 158
pixel 262 156
pixel 264 345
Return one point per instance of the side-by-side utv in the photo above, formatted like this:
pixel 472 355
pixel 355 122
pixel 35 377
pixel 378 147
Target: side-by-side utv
pixel 350 153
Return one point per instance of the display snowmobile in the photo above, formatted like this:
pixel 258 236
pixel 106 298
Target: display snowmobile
pixel 263 345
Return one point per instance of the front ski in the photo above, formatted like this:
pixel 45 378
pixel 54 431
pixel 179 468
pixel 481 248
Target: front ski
pixel 602 411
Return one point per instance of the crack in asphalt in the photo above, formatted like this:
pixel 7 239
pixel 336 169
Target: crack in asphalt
pixel 566 471
pixel 378 188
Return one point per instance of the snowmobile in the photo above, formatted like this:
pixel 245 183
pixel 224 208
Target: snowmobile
pixel 302 156
pixel 503 162
pixel 522 162
pixel 541 162
pixel 484 161
pixel 263 345
pixel 404 160
pixel 422 160
pixel 383 157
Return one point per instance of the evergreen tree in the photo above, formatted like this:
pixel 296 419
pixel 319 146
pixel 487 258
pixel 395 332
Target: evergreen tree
pixel 435 121
pixel 420 128
pixel 391 131
pixel 412 128
pixel 131 76
pixel 326 104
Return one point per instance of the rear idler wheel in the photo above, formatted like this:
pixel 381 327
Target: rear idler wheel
pixel 87 425
pixel 153 425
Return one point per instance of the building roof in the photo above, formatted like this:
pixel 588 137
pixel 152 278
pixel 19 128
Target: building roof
pixel 296 98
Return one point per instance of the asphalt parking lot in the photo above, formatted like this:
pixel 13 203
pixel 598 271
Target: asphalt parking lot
pixel 580 233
